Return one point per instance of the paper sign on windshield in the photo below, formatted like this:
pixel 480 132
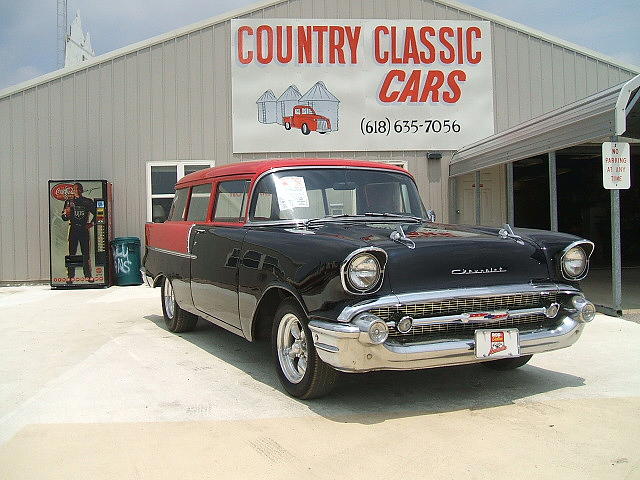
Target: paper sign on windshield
pixel 292 193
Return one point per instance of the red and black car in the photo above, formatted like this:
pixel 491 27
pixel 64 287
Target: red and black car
pixel 338 264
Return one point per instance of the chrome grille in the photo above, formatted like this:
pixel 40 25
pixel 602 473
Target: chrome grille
pixel 452 306
pixel 322 124
pixel 529 322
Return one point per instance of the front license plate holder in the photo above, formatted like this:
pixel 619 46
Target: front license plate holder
pixel 497 343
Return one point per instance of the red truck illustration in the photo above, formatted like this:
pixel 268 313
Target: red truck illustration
pixel 307 120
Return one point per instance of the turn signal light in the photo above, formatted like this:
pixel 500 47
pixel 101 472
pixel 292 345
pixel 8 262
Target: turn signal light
pixel 405 324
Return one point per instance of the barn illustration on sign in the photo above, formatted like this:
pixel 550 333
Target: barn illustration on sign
pixel 315 111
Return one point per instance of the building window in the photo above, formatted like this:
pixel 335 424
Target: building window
pixel 161 180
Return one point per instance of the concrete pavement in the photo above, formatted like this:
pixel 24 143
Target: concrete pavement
pixel 93 386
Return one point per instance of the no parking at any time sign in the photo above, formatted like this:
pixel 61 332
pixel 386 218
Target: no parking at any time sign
pixel 616 165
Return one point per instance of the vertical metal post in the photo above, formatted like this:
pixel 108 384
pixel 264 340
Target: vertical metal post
pixel 616 254
pixel 510 202
pixel 616 250
pixel 553 192
pixel 478 199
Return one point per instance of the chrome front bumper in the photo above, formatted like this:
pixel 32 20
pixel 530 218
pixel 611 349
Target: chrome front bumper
pixel 344 346
pixel 340 345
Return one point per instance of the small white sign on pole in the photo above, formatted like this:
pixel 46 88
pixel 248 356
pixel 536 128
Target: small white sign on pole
pixel 616 165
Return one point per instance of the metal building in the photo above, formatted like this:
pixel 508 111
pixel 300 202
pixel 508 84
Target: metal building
pixel 146 114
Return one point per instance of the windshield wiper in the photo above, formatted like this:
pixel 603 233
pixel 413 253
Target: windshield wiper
pixel 329 218
pixel 394 215
pixel 362 216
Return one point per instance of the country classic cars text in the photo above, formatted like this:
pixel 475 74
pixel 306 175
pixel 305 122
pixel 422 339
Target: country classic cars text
pixel 310 84
pixel 427 63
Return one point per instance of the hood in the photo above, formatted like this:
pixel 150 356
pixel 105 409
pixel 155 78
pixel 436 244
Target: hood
pixel 447 256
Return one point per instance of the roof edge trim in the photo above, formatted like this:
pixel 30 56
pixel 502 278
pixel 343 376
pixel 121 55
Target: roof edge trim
pixel 623 101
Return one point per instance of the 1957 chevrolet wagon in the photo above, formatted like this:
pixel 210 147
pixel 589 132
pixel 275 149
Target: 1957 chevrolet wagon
pixel 340 266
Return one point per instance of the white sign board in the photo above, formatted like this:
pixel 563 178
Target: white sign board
pixel 616 165
pixel 308 85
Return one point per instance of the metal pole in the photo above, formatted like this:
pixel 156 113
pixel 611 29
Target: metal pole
pixel 510 203
pixel 553 192
pixel 477 199
pixel 616 251
pixel 616 254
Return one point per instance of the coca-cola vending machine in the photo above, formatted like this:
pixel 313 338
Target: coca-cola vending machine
pixel 80 229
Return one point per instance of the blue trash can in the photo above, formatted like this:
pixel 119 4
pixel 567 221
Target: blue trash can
pixel 126 261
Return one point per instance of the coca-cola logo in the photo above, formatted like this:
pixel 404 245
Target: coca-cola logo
pixel 63 191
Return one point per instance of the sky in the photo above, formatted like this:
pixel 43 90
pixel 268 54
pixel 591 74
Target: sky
pixel 28 27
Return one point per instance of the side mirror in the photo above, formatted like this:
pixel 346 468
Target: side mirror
pixel 431 215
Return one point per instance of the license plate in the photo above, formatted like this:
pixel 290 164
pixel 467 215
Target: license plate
pixel 497 343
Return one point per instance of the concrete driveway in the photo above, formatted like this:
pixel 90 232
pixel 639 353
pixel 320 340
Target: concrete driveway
pixel 93 386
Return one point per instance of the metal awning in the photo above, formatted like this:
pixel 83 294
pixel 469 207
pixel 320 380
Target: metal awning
pixel 612 112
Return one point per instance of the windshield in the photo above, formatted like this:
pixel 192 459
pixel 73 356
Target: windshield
pixel 304 194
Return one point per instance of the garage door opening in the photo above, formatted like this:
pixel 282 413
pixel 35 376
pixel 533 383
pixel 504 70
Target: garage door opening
pixel 584 209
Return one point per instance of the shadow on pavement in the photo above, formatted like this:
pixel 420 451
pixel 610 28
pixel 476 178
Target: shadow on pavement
pixel 377 396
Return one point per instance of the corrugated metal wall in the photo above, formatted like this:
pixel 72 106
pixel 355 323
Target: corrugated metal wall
pixel 172 101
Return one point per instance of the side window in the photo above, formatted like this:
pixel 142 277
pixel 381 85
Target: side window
pixel 179 203
pixel 231 200
pixel 262 211
pixel 199 204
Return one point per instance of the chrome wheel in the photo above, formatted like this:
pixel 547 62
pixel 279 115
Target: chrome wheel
pixel 169 299
pixel 292 348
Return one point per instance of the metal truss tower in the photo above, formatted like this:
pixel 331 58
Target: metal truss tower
pixel 61 32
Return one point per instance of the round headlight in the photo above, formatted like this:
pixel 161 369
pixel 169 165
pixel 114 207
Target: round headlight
pixel 574 262
pixel 363 271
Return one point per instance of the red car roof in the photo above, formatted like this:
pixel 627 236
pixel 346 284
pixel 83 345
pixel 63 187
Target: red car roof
pixel 256 168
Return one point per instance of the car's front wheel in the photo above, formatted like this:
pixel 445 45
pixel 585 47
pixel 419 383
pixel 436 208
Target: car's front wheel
pixel 507 363
pixel 300 370
pixel 177 319
pixel 305 129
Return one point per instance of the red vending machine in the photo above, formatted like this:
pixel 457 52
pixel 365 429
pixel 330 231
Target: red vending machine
pixel 80 229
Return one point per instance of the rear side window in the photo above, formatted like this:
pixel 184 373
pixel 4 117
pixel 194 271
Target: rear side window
pixel 179 203
pixel 199 204
pixel 231 200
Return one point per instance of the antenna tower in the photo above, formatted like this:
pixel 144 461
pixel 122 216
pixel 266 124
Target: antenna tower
pixel 62 32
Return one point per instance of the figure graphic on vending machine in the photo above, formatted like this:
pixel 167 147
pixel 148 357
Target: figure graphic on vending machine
pixel 76 211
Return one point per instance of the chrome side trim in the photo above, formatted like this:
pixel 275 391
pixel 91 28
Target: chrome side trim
pixel 436 295
pixel 564 252
pixel 171 252
pixel 189 238
pixel 350 257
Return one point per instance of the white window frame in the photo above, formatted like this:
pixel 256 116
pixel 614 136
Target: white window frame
pixel 179 172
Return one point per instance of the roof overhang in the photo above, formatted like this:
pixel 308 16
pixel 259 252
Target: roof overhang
pixel 612 112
